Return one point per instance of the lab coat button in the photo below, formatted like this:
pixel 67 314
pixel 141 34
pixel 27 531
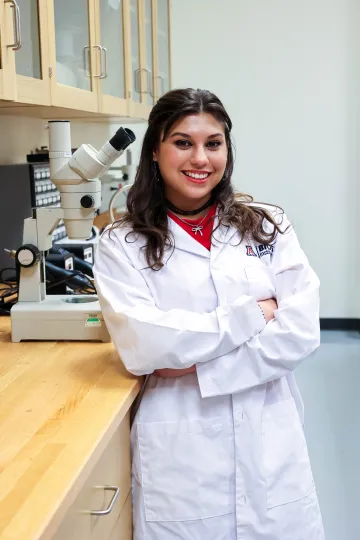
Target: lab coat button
pixel 242 500
pixel 215 266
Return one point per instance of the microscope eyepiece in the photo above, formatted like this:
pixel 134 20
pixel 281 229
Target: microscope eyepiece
pixel 122 139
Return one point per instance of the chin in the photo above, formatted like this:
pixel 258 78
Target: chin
pixel 197 195
pixel 197 192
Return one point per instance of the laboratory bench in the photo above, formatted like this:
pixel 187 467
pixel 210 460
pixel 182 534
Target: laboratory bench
pixel 64 441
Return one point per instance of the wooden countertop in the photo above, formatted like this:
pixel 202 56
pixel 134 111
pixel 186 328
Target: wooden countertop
pixel 60 404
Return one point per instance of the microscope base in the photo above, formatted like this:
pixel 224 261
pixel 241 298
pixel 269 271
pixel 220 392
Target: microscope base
pixel 59 318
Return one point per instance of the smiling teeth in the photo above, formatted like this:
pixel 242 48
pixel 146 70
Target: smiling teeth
pixel 197 176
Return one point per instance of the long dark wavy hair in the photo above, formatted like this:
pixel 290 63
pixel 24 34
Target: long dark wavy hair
pixel 146 206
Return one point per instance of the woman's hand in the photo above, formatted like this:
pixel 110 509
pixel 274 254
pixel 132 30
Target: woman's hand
pixel 269 307
pixel 167 373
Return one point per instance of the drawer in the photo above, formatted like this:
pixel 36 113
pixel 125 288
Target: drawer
pixel 123 527
pixel 113 471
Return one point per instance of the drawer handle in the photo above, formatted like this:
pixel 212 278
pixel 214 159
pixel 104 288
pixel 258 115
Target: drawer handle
pixel 116 492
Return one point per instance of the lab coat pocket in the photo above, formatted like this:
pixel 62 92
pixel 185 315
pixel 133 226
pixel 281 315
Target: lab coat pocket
pixel 285 457
pixel 187 469
pixel 260 281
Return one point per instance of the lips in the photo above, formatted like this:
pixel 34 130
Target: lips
pixel 198 177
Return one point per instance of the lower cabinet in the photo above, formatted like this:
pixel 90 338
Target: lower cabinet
pixel 102 509
pixel 123 527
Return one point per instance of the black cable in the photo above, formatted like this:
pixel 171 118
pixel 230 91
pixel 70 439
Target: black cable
pixel 77 280
pixel 9 280
pixel 5 307
pixel 9 292
pixel 65 280
pixel 79 263
pixel 69 278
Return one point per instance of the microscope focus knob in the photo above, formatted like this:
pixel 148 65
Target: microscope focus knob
pixel 27 255
pixel 87 201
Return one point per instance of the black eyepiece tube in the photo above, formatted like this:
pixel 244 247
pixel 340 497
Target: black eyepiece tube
pixel 122 139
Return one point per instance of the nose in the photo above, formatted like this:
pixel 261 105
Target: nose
pixel 199 158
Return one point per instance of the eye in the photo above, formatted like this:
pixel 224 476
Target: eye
pixel 182 143
pixel 214 144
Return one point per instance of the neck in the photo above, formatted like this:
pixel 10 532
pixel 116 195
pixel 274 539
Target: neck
pixel 195 209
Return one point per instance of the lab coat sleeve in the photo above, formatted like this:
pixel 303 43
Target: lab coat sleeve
pixel 285 341
pixel 148 338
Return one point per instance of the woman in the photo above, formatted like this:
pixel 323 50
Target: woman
pixel 216 299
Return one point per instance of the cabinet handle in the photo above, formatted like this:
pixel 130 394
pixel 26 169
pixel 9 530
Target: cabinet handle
pixel 149 85
pixel 86 49
pixel 17 26
pixel 162 84
pixel 116 492
pixel 103 69
pixel 138 84
pixel 103 73
pixel 137 80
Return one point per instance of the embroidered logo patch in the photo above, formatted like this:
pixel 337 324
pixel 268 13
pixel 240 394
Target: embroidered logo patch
pixel 250 252
pixel 265 250
pixel 260 251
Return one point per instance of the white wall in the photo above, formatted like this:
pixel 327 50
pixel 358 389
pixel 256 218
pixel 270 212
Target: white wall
pixel 288 73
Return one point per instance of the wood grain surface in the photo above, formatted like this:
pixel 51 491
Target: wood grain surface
pixel 60 404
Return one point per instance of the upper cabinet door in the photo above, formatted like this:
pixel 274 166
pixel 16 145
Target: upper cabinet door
pixel 110 35
pixel 149 51
pixel 75 58
pixel 8 44
pixel 138 76
pixel 31 56
pixel 135 31
pixel 163 82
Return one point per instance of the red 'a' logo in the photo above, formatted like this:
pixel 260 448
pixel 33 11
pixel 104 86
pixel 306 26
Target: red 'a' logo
pixel 250 252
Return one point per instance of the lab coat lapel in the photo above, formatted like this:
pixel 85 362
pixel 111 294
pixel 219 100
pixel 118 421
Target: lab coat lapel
pixel 222 238
pixel 186 242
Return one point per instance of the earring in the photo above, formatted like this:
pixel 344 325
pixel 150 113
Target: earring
pixel 156 172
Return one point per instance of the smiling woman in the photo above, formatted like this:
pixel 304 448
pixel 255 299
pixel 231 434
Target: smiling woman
pixel 192 160
pixel 213 299
pixel 186 165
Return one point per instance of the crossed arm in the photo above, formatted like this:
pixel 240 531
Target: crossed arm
pixel 268 306
pixel 232 347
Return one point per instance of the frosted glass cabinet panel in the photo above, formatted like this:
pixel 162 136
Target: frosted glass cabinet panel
pixel 149 25
pixel 112 42
pixel 135 50
pixel 28 57
pixel 163 36
pixel 25 47
pixel 73 66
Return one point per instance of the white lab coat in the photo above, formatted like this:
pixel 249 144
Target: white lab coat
pixel 219 454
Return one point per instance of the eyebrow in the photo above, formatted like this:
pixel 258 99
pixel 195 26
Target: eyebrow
pixel 187 136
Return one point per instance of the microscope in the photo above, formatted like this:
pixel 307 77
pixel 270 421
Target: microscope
pixel 63 317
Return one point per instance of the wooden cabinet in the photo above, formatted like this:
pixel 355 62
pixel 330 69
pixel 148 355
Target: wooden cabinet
pixel 73 51
pixel 32 58
pixel 102 57
pixel 103 507
pixel 8 42
pixel 112 32
pixel 24 72
pixel 123 527
pixel 162 29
